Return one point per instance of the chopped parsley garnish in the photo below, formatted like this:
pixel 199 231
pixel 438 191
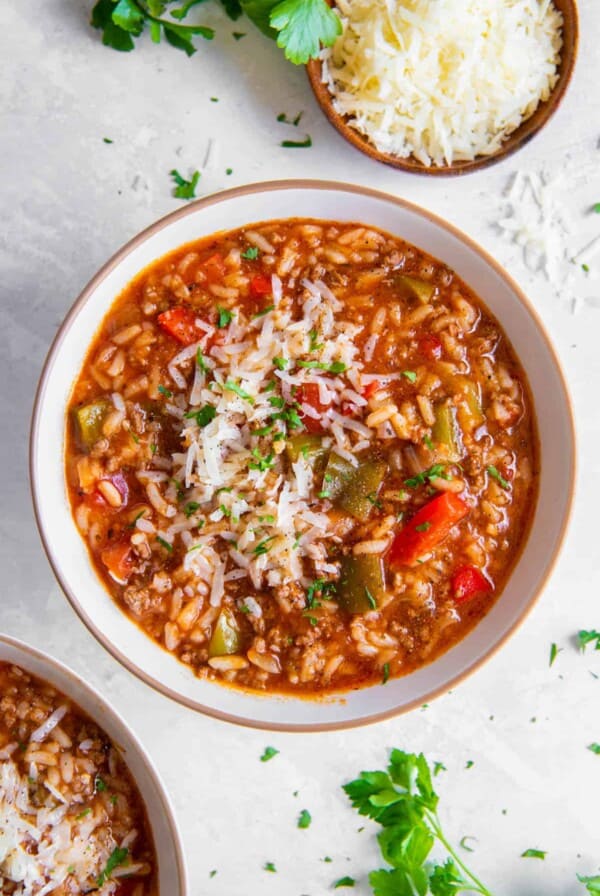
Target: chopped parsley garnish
pixel 347 882
pixel 428 443
pixel 280 363
pixel 244 608
pixel 270 866
pixel 214 99
pixel 251 253
pixel 263 312
pixel 554 651
pixel 315 345
pixel 297 144
pixel 83 814
pixel 121 22
pixel 201 362
pixel 262 546
pixel 261 462
pixel 283 119
pixel 312 619
pixel 264 430
pixel 595 748
pixel 304 819
pixel 324 494
pixel 423 527
pixel 233 387
pixel 584 638
pixel 224 510
pixel 237 35
pixel 434 472
pixel 469 763
pixel 190 508
pixel 586 268
pixel 596 208
pixel 493 472
pixel 374 500
pixel 410 375
pixel 225 317
pixel 116 858
pixel 184 189
pixel 166 392
pixel 229 171
pixel 533 854
pixel 334 367
pixel 165 544
pixel 99 785
pixel 137 517
pixel 438 767
pixel 371 600
pixel 212 873
pixel 204 416
pixel 319 586
pixel 107 140
pixel 386 673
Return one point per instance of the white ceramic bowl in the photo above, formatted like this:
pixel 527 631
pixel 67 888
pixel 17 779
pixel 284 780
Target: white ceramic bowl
pixel 65 547
pixel 167 841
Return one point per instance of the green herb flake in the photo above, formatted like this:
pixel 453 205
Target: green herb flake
pixel 370 599
pixel 201 362
pixel 428 443
pixel 297 144
pixel 184 189
pixel 166 392
pixel 268 753
pixel 304 819
pixel 251 253
pixel 228 171
pixel 464 844
pixel 533 854
pixel 99 785
pixel 469 763
pixel 493 472
pixel 594 748
pixel 233 387
pixel 423 527
pixel 437 471
pixel 263 311
pixel 386 673
pixel 225 317
pixel 107 140
pixel 438 767
pixel 117 857
pixel 410 375
pixel 554 651
pixel 214 99
pixel 190 508
pixel 83 814
pixel 165 544
pixel 203 416
pixel 588 637
pixel 280 363
pixel 596 208
pixel 586 268
pixel 238 35
pixel 263 546
pixel 345 882
pixel 270 866
pixel 592 884
pixel 212 873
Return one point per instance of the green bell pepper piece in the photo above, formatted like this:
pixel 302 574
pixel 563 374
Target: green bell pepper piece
pixel 226 638
pixel 353 489
pixel 421 289
pixel 88 421
pixel 310 447
pixel 445 431
pixel 361 585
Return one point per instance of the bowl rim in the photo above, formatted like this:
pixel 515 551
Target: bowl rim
pixel 79 683
pixel 408 164
pixel 199 205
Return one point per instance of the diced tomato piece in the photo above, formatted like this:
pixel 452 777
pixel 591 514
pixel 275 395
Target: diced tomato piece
pixel 180 323
pixel 429 527
pixel 309 393
pixel 347 409
pixel 469 582
pixel 430 346
pixel 95 500
pixel 119 561
pixel 214 268
pixel 260 286
pixel 370 389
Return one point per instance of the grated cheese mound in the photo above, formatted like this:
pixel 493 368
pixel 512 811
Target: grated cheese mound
pixel 443 80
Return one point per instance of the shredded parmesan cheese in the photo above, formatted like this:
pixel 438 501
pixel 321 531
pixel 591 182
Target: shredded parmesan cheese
pixel 442 80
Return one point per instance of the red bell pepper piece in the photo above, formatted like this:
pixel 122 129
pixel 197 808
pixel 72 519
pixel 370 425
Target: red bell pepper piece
pixel 370 389
pixel 260 286
pixel 429 527
pixel 469 582
pixel 309 393
pixel 119 561
pixel 430 346
pixel 180 323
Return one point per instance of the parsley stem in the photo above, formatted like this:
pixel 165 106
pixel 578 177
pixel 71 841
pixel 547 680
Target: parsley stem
pixel 437 830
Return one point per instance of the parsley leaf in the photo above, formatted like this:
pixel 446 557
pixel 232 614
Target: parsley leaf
pixel 116 858
pixel 346 882
pixel 233 387
pixel 554 651
pixel 225 317
pixel 303 26
pixel 297 144
pixel 584 638
pixel 410 375
pixel 592 884
pixel 184 189
pixel 164 544
pixel 304 819
pixel 434 472
pixel 204 416
pixel 533 854
pixel 595 748
pixel 269 752
pixel 270 866
pixel 493 472
pixel 251 254
pixel 190 508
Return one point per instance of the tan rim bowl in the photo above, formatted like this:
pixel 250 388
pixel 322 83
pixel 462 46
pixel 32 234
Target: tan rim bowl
pixel 65 547
pixel 167 840
pixel 514 142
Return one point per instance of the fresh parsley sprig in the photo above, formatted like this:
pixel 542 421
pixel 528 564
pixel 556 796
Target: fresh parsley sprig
pixel 402 800
pixel 123 20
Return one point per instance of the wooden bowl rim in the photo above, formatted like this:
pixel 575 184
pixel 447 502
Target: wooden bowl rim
pixel 515 141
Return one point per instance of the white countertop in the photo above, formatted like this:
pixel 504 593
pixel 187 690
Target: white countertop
pixel 68 201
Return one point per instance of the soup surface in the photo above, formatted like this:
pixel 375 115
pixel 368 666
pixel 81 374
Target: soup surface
pixel 71 817
pixel 303 455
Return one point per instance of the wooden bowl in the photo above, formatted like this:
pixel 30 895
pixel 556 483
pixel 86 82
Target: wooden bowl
pixel 523 134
